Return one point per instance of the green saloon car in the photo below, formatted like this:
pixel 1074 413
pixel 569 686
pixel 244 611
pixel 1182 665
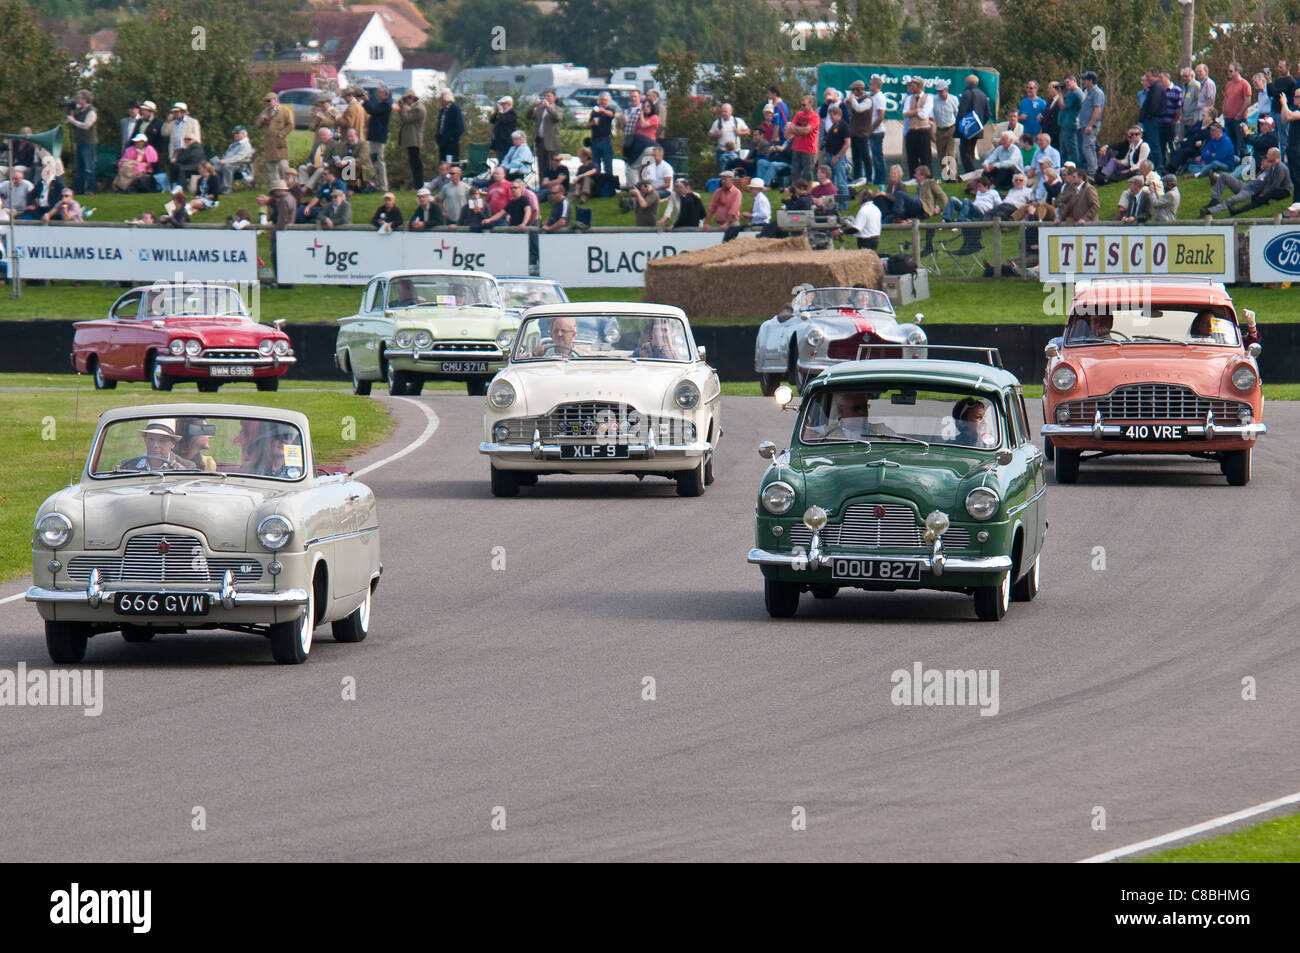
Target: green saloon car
pixel 416 326
pixel 904 474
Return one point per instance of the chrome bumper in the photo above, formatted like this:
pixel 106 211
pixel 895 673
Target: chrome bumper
pixel 650 450
pixel 1207 430
pixel 228 597
pixel 418 355
pixel 274 360
pixel 935 564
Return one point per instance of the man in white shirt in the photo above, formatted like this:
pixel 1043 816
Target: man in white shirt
pixel 727 132
pixel 964 210
pixel 1018 197
pixel 1004 161
pixel 878 104
pixel 1043 148
pixel 945 121
pixel 761 212
pixel 866 223
pixel 660 173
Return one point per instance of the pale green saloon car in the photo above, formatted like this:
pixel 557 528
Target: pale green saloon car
pixel 417 326
pixel 904 474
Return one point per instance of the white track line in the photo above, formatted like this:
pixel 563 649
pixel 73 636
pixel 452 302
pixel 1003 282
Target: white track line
pixel 16 596
pixel 1193 830
pixel 409 448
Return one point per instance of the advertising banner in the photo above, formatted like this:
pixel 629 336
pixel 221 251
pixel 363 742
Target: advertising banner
pixel 1274 253
pixel 612 259
pixel 146 253
pixel 894 80
pixel 1206 250
pixel 342 257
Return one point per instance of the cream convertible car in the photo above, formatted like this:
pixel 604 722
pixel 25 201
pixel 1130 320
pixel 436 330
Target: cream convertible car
pixel 204 516
pixel 603 388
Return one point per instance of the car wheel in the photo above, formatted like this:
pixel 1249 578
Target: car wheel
pixel 781 598
pixel 359 387
pixel 504 482
pixel 414 385
pixel 1027 587
pixel 708 470
pixel 992 602
pixel 291 641
pixel 476 388
pixel 823 590
pixel 208 387
pixel 768 383
pixel 691 482
pixel 397 381
pixel 1236 467
pixel 97 373
pixel 158 378
pixel 268 383
pixel 1067 466
pixel 1049 452
pixel 66 641
pixel 356 626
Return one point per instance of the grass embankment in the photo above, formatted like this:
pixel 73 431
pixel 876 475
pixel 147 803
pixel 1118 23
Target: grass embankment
pixel 1272 842
pixel 46 435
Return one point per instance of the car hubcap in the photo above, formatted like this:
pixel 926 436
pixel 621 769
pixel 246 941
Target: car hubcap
pixel 1004 592
pixel 306 628
pixel 363 614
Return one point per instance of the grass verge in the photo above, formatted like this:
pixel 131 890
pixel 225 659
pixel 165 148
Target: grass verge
pixel 1271 842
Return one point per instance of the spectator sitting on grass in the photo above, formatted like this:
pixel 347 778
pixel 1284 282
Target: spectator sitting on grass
pixel 388 216
pixel 66 210
pixel 177 210
pixel 584 181
pixel 238 157
pixel 518 161
pixel 241 219
pixel 18 192
pixel 689 207
pixel 556 175
pixel 329 184
pixel 475 210
pixel 427 214
pixel 135 168
pixel 562 212
pixel 207 189
pixel 337 213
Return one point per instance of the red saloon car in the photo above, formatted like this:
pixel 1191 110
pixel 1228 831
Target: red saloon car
pixel 171 332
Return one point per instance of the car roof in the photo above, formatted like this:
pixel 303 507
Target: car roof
pixel 549 281
pixel 164 285
pixel 206 410
pixel 630 308
pixel 1202 293
pixel 962 373
pixel 439 272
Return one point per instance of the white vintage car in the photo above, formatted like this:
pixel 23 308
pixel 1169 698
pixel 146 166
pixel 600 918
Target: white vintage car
pixel 603 388
pixel 205 516
pixel 824 326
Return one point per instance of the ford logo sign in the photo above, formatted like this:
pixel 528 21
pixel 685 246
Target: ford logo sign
pixel 1283 253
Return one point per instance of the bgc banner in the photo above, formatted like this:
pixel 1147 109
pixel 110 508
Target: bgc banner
pixel 612 259
pixel 1274 253
pixel 1206 250
pixel 309 256
pixel 148 253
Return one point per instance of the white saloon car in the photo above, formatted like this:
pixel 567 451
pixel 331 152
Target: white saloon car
pixel 603 388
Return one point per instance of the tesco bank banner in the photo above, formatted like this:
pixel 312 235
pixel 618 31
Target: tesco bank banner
pixel 145 253
pixel 1274 253
pixel 343 257
pixel 612 259
pixel 1073 250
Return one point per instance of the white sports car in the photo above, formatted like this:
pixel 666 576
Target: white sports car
pixel 824 326
pixel 603 388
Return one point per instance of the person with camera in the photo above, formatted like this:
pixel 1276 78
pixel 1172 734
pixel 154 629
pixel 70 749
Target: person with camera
pixel 548 118
pixel 83 119
pixel 601 125
pixel 504 122
pixel 645 202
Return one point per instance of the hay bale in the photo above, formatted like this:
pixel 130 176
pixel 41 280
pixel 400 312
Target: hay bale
pixel 752 277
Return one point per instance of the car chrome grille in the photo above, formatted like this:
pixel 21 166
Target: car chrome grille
pixel 862 529
pixel 465 347
pixel 234 354
pixel 1153 402
pixel 580 423
pixel 184 562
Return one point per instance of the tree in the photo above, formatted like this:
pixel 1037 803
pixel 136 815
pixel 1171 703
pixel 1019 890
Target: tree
pixel 34 73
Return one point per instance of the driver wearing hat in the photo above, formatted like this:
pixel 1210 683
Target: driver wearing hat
pixel 160 439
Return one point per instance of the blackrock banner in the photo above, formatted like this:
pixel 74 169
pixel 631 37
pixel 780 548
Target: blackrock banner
pixel 612 259
pixel 1274 253
pixel 102 253
pixel 1117 250
pixel 312 257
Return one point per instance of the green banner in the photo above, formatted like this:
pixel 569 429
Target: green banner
pixel 894 80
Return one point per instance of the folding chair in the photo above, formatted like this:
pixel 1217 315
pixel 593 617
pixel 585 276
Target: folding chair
pixel 928 258
pixel 965 257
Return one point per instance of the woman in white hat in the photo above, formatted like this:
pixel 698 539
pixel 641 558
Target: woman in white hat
pixel 136 167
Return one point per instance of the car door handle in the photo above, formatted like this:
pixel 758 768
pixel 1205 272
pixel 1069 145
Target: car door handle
pixel 354 497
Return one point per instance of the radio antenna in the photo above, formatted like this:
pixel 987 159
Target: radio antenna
pixel 72 454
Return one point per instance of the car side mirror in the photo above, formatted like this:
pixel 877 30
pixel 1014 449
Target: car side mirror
pixel 767 450
pixel 703 351
pixel 388 313
pixel 785 314
pixel 1052 350
pixel 1254 350
pixel 1005 457
pixel 919 318
pixel 278 324
pixel 158 323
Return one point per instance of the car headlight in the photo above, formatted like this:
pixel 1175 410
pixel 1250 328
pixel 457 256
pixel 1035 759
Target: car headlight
pixel 265 346
pixel 193 347
pixel 423 340
pixel 177 346
pixel 1243 378
pixel 687 395
pixel 500 433
pixel 982 503
pixel 778 497
pixel 633 418
pixel 936 524
pixel 53 530
pixel 501 394
pixel 402 338
pixel 916 336
pixel 274 532
pixel 282 347
pixel 505 339
pixel 816 337
pixel 814 518
pixel 1064 378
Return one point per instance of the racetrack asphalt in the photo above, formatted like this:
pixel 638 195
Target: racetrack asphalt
pixel 521 688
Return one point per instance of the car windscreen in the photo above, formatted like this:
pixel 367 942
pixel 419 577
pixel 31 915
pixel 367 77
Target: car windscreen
pixel 529 294
pixel 194 300
pixel 442 291
pixel 1155 325
pixel 902 413
pixel 238 446
pixel 597 337
pixel 850 299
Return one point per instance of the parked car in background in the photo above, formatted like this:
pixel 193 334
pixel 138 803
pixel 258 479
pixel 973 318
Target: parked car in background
pixel 520 294
pixel 169 333
pixel 191 517
pixel 414 326
pixel 904 474
pixel 821 327
pixel 1153 366
pixel 303 99
pixel 603 387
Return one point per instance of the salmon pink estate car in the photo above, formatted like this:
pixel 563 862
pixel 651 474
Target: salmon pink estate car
pixel 205 516
pixel 173 333
pixel 1153 365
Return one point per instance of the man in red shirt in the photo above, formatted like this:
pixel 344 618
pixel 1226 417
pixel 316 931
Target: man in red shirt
pixel 724 207
pixel 498 193
pixel 802 133
pixel 1236 100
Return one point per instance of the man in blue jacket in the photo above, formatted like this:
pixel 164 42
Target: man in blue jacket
pixel 1216 154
